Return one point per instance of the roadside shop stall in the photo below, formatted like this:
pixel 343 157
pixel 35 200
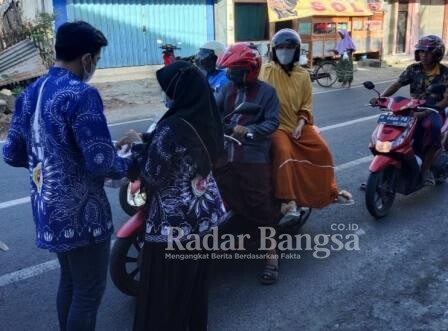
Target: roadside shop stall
pixel 318 22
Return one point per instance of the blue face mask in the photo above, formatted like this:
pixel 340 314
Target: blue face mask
pixel 167 101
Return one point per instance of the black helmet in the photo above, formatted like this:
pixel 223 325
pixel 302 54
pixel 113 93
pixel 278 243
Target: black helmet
pixel 432 44
pixel 289 37
pixel 208 55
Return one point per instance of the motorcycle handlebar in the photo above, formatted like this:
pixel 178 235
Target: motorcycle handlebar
pixel 248 136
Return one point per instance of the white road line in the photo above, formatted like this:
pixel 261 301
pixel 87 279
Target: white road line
pixel 33 271
pixel 353 87
pixel 320 92
pixel 30 272
pixel 15 202
pixel 130 122
pixel 340 125
pixel 39 269
pixel 20 201
pixel 353 163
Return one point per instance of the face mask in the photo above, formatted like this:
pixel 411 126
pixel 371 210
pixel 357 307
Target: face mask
pixel 88 74
pixel 167 101
pixel 237 76
pixel 285 56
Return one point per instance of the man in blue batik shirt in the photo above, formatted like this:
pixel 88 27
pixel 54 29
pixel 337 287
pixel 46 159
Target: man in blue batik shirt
pixel 59 132
pixel 206 61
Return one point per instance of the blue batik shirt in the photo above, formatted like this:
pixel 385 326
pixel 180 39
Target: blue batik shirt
pixel 217 80
pixel 66 146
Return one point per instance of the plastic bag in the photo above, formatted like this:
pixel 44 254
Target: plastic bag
pixel 345 56
pixel 303 59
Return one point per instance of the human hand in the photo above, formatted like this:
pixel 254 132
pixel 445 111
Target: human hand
pixel 239 132
pixel 125 143
pixel 420 114
pixel 297 133
pixel 374 101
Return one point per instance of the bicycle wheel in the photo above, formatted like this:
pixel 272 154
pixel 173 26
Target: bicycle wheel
pixel 325 73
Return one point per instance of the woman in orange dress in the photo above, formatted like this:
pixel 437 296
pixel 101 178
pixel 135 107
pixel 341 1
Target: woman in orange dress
pixel 303 165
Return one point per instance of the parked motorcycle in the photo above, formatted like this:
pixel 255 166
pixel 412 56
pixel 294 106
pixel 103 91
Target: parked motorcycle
pixel 395 167
pixel 168 53
pixel 125 255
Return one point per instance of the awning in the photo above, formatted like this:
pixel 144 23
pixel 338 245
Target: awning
pixel 283 10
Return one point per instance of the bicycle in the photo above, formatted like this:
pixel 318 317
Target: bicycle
pixel 324 72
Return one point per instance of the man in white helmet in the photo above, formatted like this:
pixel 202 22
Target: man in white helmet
pixel 206 60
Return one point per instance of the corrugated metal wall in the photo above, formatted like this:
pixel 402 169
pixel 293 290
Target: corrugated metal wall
pixel 133 27
pixel 32 8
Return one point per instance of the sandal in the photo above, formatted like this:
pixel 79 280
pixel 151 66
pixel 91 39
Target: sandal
pixel 345 198
pixel 269 275
pixel 3 247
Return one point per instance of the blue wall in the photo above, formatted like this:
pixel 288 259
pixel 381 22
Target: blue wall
pixel 132 27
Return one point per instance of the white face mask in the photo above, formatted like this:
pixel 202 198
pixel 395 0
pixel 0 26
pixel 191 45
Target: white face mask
pixel 285 55
pixel 88 74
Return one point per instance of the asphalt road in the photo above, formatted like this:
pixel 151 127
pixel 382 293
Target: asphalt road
pixel 397 280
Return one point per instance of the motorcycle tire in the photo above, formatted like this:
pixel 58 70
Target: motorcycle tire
pixel 379 199
pixel 123 197
pixel 127 282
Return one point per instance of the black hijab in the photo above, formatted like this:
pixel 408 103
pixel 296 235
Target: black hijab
pixel 193 101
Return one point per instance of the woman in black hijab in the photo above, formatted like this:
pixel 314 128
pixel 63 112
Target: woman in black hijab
pixel 183 199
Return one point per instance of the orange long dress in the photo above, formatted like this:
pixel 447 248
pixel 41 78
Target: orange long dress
pixel 303 168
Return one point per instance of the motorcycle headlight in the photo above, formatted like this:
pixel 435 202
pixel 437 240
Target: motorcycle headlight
pixel 383 146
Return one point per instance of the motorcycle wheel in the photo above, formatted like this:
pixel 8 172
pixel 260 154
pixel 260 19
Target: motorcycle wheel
pixel 380 192
pixel 125 264
pixel 123 197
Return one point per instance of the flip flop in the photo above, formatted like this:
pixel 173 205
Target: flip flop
pixel 345 198
pixel 3 246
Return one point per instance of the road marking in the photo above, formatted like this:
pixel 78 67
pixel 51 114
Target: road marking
pixel 353 163
pixel 30 272
pixel 39 269
pixel 36 270
pixel 340 125
pixel 15 202
pixel 320 92
pixel 131 122
pixel 353 87
pixel 344 166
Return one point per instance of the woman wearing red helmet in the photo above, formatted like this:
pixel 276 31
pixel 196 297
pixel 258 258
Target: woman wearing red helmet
pixel 302 162
pixel 245 180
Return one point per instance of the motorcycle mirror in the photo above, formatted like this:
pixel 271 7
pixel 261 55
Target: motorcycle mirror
pixel 369 85
pixel 159 41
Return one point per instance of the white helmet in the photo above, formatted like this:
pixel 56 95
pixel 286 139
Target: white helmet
pixel 217 47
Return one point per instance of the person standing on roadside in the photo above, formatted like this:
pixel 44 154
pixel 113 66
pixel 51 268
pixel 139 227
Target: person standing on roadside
pixel 59 132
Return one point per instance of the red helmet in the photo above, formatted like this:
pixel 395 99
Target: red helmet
pixel 242 56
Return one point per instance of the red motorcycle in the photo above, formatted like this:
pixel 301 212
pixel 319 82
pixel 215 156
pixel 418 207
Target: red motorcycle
pixel 395 167
pixel 125 255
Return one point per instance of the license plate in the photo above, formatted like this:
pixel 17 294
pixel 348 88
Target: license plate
pixel 394 120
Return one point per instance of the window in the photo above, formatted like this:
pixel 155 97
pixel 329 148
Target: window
pixel 358 25
pixel 343 26
pixel 251 22
pixel 324 28
pixel 305 28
